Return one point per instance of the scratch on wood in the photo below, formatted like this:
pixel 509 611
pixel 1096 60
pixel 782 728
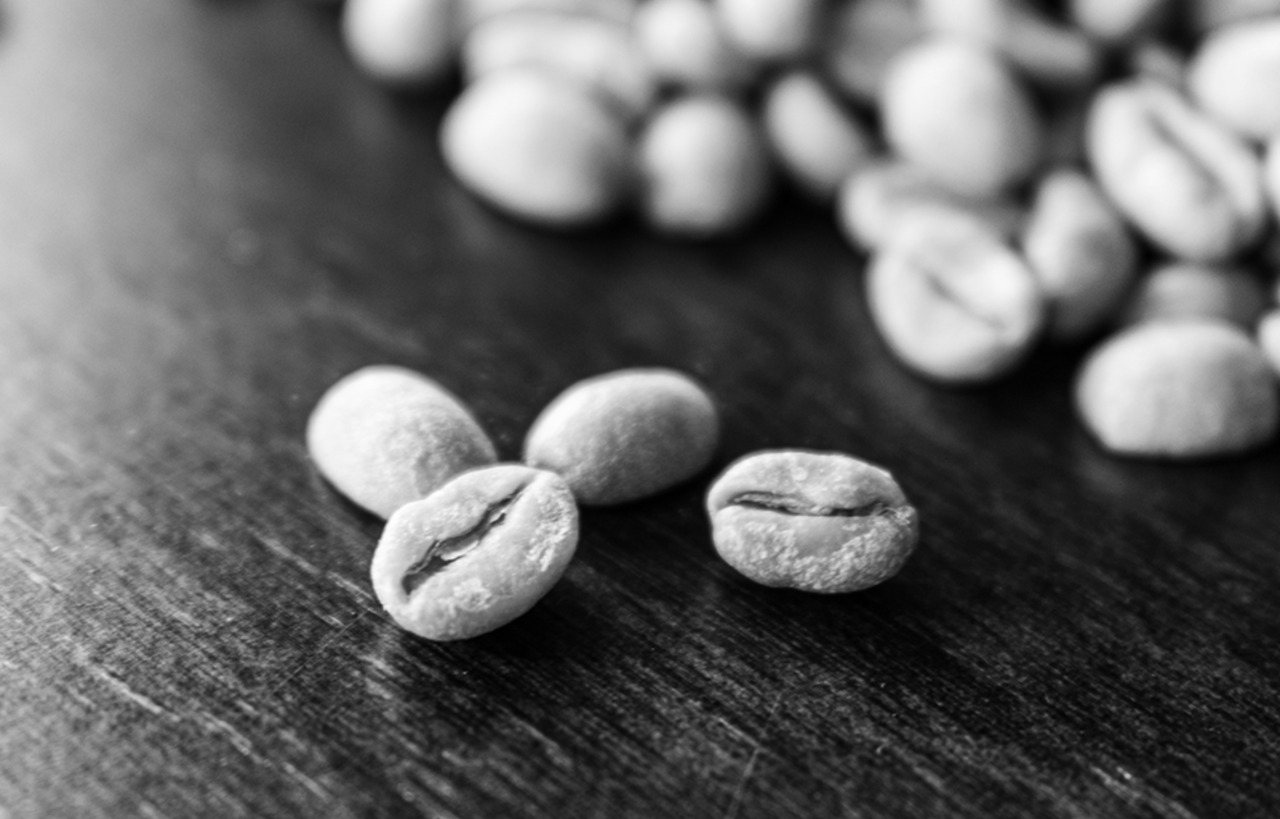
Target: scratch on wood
pixel 301 665
pixel 736 801
pixel 123 689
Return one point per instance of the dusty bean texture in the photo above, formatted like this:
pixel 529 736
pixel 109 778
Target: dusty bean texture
pixel 813 521
pixel 1178 389
pixel 477 553
pixel 385 436
pixel 625 435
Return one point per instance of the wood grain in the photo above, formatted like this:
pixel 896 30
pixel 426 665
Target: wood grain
pixel 207 217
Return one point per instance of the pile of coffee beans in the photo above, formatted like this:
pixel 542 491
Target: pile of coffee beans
pixel 1018 171
pixel 470 545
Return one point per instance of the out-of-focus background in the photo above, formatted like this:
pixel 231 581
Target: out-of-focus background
pixel 208 215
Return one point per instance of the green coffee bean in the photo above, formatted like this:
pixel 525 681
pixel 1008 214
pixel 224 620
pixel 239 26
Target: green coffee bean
pixel 818 522
pixel 402 42
pixel 1120 21
pixel 954 109
pixel 599 54
pixel 477 553
pixel 704 168
pixel 864 38
pixel 385 436
pixel 1178 389
pixel 1185 291
pixel 1080 252
pixel 624 435
pixel 1186 182
pixel 877 198
pixel 817 142
pixel 685 46
pixel 1234 76
pixel 772 30
pixel 952 301
pixel 538 146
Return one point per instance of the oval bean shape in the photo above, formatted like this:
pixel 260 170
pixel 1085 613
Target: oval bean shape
pixel 953 302
pixel 625 435
pixel 538 146
pixel 1269 338
pixel 685 46
pixel 1190 185
pixel 704 168
pixel 877 198
pixel 954 109
pixel 1178 389
pixel 1081 253
pixel 477 553
pixel 1235 75
pixel 813 521
pixel 815 139
pixel 772 30
pixel 401 42
pixel 385 436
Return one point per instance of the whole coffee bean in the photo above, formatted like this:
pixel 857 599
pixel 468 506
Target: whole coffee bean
pixel 1120 21
pixel 1080 251
pixel 1178 389
pixel 477 553
pixel 686 47
pixel 772 30
pixel 817 142
pixel 1269 338
pixel 538 146
pixel 952 301
pixel 863 39
pixel 1190 185
pixel 401 42
pixel 1234 76
pixel 1052 55
pixel 877 198
pixel 954 109
pixel 598 53
pixel 704 168
pixel 1186 291
pixel 385 436
pixel 625 435
pixel 813 521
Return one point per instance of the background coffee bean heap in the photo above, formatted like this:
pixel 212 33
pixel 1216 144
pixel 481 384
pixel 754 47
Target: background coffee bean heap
pixel 1019 170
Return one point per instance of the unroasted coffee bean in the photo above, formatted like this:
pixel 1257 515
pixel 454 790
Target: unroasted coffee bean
pixel 1081 253
pixel 952 301
pixel 772 30
pixel 1178 389
pixel 818 522
pixel 1120 21
pixel 685 46
pixel 539 146
pixel 1186 182
pixel 1235 75
pixel 1053 55
pixel 477 553
pixel 599 54
pixel 864 38
pixel 815 139
pixel 402 42
pixel 385 436
pixel 625 435
pixel 1183 290
pixel 704 168
pixel 877 198
pixel 953 108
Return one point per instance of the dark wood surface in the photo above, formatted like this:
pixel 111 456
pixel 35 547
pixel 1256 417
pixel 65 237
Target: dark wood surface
pixel 206 217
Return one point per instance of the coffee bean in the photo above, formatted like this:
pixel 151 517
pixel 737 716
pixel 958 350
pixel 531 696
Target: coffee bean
pixel 1178 389
pixel 477 553
pixel 864 38
pixel 385 436
pixel 685 46
pixel 625 435
pixel 1234 76
pixel 772 30
pixel 1186 182
pixel 817 142
pixel 819 522
pixel 1185 290
pixel 952 301
pixel 401 42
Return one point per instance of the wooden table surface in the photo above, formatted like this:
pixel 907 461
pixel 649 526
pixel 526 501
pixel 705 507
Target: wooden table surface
pixel 207 217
